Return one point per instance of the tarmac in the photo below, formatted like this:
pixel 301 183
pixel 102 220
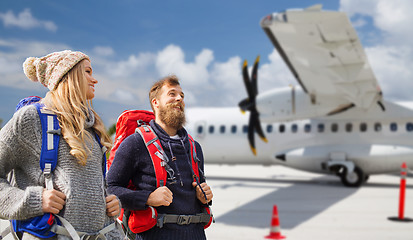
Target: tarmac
pixel 310 206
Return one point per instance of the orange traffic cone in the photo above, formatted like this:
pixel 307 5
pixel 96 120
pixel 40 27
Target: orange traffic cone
pixel 275 229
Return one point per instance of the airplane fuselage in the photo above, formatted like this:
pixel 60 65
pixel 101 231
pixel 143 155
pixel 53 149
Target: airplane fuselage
pixel 376 141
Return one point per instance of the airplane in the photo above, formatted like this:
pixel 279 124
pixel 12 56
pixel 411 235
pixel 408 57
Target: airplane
pixel 335 122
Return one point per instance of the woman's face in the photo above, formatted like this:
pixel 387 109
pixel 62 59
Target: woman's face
pixel 91 81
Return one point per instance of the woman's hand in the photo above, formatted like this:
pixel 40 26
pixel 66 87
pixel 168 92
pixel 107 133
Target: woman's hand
pixel 53 201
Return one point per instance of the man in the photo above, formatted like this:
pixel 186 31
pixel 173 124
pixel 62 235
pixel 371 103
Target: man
pixel 181 195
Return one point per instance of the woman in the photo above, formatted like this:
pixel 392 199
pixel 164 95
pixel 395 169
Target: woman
pixel 78 193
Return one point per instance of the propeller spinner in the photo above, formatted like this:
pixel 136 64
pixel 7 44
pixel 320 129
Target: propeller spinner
pixel 249 104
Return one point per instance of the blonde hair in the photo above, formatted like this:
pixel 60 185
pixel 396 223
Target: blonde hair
pixel 71 106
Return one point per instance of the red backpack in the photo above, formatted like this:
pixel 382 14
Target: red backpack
pixel 129 122
pixel 126 125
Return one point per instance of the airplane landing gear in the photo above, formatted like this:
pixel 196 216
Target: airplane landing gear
pixel 353 179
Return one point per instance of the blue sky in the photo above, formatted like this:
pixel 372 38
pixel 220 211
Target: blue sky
pixel 134 43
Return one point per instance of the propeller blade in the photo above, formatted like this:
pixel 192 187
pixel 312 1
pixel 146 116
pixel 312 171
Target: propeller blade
pixel 254 76
pixel 251 131
pixel 244 104
pixel 247 81
pixel 257 126
pixel 381 106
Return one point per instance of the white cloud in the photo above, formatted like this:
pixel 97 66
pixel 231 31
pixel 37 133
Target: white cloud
pixel 364 7
pixel 275 73
pixel 103 51
pixel 133 66
pixel 171 60
pixel 394 17
pixel 391 66
pixel 12 55
pixel 123 95
pixel 227 74
pixel 359 23
pixel 25 20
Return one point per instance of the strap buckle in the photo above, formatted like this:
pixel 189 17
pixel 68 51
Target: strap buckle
pixel 184 219
pixel 90 237
pixel 47 173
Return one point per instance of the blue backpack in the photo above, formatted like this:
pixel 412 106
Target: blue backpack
pixel 45 226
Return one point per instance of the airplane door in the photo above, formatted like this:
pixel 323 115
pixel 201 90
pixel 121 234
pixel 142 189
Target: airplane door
pixel 200 129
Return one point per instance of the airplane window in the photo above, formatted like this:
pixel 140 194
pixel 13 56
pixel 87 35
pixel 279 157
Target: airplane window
pixel 281 128
pixel 245 129
pixel 377 127
pixel 222 129
pixel 349 127
pixel 294 128
pixel 269 128
pixel 393 127
pixel 200 129
pixel 211 129
pixel 363 127
pixel 233 129
pixel 320 127
pixel 307 128
pixel 409 126
pixel 334 127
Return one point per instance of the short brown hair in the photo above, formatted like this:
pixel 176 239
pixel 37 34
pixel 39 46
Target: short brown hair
pixel 171 80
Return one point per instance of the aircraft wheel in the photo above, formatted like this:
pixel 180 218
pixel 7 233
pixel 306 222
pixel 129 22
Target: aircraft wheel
pixel 354 179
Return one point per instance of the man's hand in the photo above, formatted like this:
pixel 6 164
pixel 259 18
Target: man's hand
pixel 200 195
pixel 53 201
pixel 112 206
pixel 162 196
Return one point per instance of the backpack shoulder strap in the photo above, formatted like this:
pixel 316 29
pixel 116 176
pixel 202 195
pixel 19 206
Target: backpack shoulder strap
pixel 50 141
pixel 194 158
pixel 156 153
pixel 104 149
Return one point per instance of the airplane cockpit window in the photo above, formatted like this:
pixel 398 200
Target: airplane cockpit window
pixel 245 128
pixel 363 127
pixel 281 128
pixel 269 128
pixel 211 129
pixel 307 128
pixel 393 127
pixel 334 127
pixel 294 128
pixel 233 129
pixel 200 129
pixel 349 127
pixel 409 126
pixel 222 129
pixel 320 127
pixel 377 127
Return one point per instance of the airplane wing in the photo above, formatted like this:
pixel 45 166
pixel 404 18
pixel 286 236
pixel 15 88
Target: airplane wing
pixel 322 50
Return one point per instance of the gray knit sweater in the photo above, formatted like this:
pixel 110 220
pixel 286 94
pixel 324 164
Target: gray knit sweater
pixel 21 198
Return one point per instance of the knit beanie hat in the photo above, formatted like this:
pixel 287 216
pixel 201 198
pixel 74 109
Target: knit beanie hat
pixel 50 69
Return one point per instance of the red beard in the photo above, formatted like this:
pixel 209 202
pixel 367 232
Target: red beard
pixel 171 116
